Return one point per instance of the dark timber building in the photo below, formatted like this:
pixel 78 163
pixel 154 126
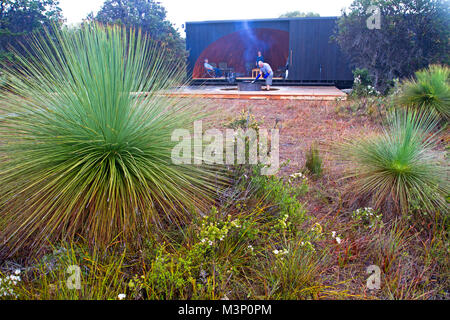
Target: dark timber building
pixel 304 43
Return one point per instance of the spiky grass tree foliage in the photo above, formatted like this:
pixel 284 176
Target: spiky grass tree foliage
pixel 81 152
pixel 401 165
pixel 429 91
pixel 314 161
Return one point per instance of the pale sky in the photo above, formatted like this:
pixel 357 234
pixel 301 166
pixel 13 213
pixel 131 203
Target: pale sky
pixel 181 11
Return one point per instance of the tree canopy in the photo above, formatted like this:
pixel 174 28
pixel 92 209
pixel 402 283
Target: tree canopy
pixel 147 15
pixel 19 18
pixel 299 14
pixel 412 35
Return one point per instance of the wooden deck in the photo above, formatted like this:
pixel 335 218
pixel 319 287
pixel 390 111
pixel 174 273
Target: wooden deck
pixel 280 93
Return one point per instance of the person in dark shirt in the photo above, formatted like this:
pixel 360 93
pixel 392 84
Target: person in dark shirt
pixel 259 58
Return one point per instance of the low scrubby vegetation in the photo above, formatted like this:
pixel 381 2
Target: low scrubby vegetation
pixel 258 242
pixel 91 206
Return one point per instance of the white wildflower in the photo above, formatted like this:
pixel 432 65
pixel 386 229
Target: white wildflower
pixel 235 223
pixel 298 175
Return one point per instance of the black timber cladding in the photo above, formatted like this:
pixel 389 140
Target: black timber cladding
pixel 314 56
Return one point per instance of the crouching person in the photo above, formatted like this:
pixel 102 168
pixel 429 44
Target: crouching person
pixel 266 71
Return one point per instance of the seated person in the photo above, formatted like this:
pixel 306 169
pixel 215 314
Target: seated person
pixel 217 71
pixel 259 58
pixel 266 72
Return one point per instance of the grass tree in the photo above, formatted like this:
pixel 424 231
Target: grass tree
pixel 430 90
pixel 314 161
pixel 400 166
pixel 83 152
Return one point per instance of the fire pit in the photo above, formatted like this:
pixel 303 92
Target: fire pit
pixel 249 86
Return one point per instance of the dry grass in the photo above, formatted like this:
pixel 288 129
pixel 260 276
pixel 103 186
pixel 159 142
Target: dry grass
pixel 411 253
pixel 302 124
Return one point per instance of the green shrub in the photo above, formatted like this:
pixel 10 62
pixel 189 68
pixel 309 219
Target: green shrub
pixel 364 77
pixel 429 91
pixel 401 165
pixel 245 120
pixel 363 84
pixel 166 277
pixel 83 152
pixel 197 266
pixel 374 107
pixel 291 213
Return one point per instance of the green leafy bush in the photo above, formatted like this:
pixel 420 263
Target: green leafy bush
pixel 166 277
pixel 245 120
pixel 430 90
pixel 400 165
pixel 363 84
pixel 83 151
pixel 291 213
pixel 363 76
